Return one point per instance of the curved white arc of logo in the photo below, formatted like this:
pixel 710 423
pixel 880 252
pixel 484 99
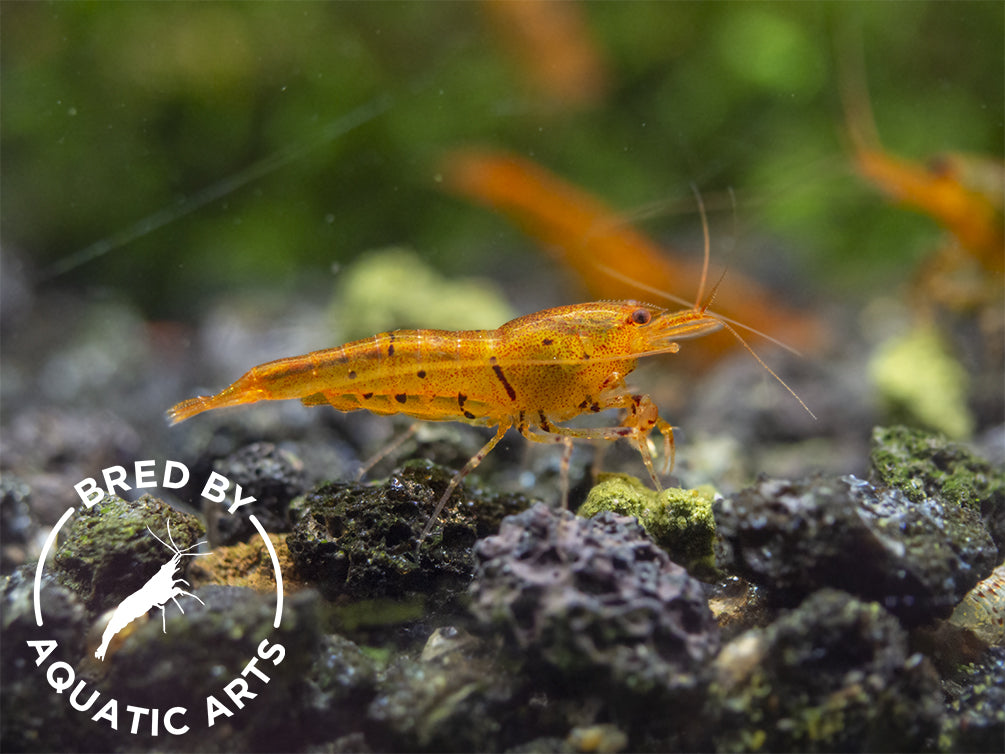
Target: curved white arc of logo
pixel 49 541
pixel 275 566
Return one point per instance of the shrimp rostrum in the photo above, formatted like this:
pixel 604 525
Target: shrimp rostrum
pixel 532 373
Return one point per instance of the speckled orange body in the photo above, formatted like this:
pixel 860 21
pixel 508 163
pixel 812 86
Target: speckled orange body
pixel 531 373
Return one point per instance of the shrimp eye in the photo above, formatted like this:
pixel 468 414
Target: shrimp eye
pixel 641 316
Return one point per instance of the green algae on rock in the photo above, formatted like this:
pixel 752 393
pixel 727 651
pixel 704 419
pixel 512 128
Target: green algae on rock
pixel 918 378
pixel 679 520
pixel 358 540
pixel 976 705
pixel 835 674
pixel 922 464
pixel 917 559
pixel 108 553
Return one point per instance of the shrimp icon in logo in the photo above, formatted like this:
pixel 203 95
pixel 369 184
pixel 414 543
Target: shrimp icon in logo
pixel 161 587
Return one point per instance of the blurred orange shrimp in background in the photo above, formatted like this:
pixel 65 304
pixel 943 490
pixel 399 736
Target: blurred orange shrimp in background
pixel 551 42
pixel 605 252
pixel 965 194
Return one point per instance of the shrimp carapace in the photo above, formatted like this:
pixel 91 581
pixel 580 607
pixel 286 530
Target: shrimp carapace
pixel 532 373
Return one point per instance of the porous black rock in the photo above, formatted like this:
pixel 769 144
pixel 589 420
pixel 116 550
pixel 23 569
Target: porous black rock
pixel 266 472
pixel 835 674
pixel 917 558
pixel 357 540
pixel 595 598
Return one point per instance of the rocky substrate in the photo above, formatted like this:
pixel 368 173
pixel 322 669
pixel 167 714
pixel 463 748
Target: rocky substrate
pixel 826 613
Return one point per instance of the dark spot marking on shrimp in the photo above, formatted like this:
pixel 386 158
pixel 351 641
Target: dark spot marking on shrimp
pixel 493 360
pixel 367 396
pixel 502 378
pixel 585 402
pixel 544 421
pixel 461 397
pixel 352 374
pixel 401 397
pixel 421 374
pixel 595 407
pixel 547 342
pixel 390 350
pixel 468 415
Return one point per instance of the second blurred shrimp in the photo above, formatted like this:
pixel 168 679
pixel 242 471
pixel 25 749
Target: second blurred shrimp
pixel 592 240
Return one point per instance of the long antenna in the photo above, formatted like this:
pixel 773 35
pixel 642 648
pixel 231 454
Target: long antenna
pixel 726 321
pixel 707 245
pixel 684 302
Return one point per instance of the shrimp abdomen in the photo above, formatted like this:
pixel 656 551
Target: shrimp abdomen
pixel 380 374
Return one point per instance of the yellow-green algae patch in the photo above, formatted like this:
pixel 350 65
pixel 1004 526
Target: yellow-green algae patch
pixel 679 520
pixel 394 288
pixel 921 382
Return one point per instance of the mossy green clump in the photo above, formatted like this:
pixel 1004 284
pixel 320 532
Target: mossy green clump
pixel 679 520
pixel 920 382
pixel 924 465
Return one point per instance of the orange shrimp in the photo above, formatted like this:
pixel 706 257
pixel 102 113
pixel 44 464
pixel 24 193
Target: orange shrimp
pixel 531 373
pixel 552 43
pixel 963 193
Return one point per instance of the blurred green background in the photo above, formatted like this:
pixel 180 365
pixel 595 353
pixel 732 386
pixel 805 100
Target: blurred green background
pixel 223 126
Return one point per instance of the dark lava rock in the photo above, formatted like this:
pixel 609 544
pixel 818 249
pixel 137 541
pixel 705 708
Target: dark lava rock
pixel 359 540
pixel 923 465
pixel 64 620
pixel 976 700
pixel 595 599
pixel 209 648
pixel 833 675
pixel 32 716
pixel 451 698
pixel 916 558
pixel 269 474
pixel 344 681
pixel 108 553
pixel 16 523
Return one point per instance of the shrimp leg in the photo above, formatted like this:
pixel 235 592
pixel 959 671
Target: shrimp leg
pixel 470 466
pixel 641 417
